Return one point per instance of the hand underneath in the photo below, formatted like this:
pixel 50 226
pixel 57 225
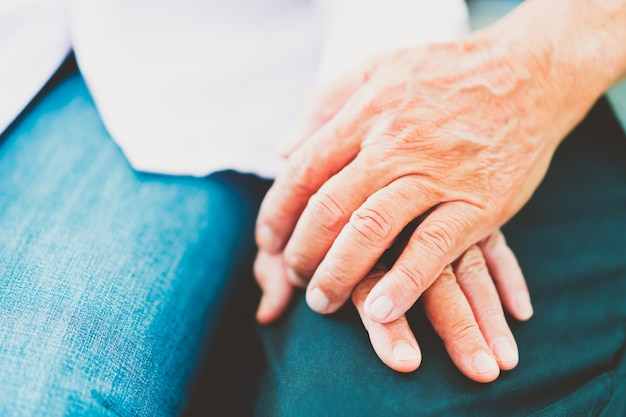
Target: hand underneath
pixel 463 305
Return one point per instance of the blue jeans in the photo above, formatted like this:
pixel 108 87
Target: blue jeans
pixel 114 283
pixel 111 282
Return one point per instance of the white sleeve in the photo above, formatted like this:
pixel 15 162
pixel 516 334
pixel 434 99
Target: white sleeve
pixel 34 41
pixel 357 29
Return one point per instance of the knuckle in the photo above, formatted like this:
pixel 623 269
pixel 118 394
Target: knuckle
pixel 442 292
pixel 300 261
pixel 411 279
pixel 372 226
pixel 301 175
pixel 447 277
pixel 373 104
pixel 492 314
pixel 462 330
pixel 336 280
pixel 326 212
pixel 494 241
pixel 437 236
pixel 471 266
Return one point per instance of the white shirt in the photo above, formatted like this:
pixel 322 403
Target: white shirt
pixel 190 87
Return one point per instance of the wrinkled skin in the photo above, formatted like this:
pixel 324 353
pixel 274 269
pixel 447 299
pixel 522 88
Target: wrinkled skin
pixel 460 134
pixel 444 130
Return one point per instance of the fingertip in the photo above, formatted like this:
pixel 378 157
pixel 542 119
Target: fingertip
pixel 277 290
pixel 379 308
pixel 272 305
pixel 317 300
pixel 406 357
pixel 484 367
pixel 508 276
pixel 395 345
pixel 505 354
pixel 523 307
pixel 266 312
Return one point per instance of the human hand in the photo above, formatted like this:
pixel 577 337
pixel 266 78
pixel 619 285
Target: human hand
pixel 463 306
pixel 460 133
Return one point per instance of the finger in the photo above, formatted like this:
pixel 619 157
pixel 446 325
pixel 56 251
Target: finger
pixel 322 156
pixel 451 316
pixel 394 342
pixel 507 275
pixel 445 233
pixel 369 231
pixel 321 106
pixel 474 280
pixel 270 275
pixel 325 214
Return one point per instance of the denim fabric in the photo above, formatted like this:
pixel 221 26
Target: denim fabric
pixel 571 243
pixel 113 283
pixel 110 281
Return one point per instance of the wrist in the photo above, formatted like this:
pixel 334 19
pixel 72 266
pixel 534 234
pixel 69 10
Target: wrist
pixel 578 44
pixel 571 52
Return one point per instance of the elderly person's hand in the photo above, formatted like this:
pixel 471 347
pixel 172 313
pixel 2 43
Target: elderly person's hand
pixel 458 133
pixel 463 306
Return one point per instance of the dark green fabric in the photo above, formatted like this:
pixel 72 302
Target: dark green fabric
pixel 570 240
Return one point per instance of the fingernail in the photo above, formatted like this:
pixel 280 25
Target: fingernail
pixel 381 307
pixel 317 300
pixel 483 363
pixel 524 307
pixel 402 351
pixel 295 278
pixel 504 351
pixel 268 239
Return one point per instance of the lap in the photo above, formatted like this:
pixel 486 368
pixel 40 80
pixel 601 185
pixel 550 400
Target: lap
pixel 570 240
pixel 110 279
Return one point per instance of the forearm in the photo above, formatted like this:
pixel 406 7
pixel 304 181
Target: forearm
pixel 583 41
pixel 601 35
pixel 559 52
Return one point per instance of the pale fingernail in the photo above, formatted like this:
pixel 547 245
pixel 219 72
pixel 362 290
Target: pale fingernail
pixel 381 307
pixel 504 351
pixel 483 363
pixel 295 278
pixel 402 351
pixel 524 307
pixel 268 240
pixel 317 300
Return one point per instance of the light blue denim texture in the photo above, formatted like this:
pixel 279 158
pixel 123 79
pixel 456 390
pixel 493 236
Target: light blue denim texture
pixel 108 278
